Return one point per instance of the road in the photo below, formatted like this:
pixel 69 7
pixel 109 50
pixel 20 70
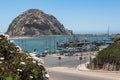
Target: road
pixel 66 61
pixel 54 68
pixel 69 76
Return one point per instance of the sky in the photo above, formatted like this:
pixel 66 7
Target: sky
pixel 81 16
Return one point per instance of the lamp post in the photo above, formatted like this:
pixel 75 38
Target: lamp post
pixel 90 61
pixel 80 58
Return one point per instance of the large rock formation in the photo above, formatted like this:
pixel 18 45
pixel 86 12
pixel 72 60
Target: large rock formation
pixel 35 22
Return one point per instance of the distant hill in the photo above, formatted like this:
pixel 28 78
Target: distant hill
pixel 35 22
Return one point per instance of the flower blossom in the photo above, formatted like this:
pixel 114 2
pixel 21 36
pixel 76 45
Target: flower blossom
pixel 39 64
pixel 47 75
pixel 34 61
pixel 22 63
pixel 28 57
pixel 0 62
pixel 31 76
pixel 19 70
pixel 2 58
pixel 3 68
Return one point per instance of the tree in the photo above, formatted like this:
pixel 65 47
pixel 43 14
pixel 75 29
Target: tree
pixel 109 58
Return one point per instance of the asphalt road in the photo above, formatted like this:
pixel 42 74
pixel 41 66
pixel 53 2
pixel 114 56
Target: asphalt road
pixel 67 61
pixel 70 62
pixel 68 76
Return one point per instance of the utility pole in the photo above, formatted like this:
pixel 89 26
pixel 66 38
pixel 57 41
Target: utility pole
pixel 90 61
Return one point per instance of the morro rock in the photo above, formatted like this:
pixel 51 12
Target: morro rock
pixel 35 22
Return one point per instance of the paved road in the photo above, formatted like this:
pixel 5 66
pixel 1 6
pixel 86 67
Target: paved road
pixel 70 62
pixel 68 76
pixel 67 61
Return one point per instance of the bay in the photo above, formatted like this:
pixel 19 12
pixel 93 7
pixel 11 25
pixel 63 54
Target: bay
pixel 43 42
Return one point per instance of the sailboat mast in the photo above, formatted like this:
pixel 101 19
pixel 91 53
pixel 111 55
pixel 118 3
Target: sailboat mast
pixel 108 31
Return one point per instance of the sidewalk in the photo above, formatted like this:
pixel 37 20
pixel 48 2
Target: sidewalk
pixel 83 67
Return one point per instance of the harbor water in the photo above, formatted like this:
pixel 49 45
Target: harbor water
pixel 43 42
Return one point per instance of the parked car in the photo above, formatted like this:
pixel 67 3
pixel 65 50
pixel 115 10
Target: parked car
pixel 67 54
pixel 41 55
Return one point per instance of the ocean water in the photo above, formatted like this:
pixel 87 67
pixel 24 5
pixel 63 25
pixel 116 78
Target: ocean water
pixel 41 43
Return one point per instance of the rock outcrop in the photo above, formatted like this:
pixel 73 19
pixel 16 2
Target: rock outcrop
pixel 35 22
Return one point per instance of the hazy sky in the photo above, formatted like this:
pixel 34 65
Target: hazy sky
pixel 81 16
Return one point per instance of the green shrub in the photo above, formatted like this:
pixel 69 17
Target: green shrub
pixel 16 65
pixel 108 58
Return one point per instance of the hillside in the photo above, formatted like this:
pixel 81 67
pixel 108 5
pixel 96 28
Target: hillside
pixel 109 58
pixel 34 22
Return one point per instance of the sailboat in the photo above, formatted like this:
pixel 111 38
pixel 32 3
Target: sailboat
pixel 109 39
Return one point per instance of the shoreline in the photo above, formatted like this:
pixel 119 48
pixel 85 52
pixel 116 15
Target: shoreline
pixel 92 35
pixel 25 37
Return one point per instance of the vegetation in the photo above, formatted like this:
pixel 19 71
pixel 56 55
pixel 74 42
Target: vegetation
pixel 16 65
pixel 109 58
